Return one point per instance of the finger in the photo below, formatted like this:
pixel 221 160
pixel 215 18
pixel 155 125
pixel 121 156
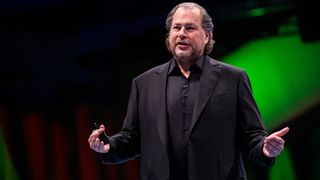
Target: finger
pixel 273 151
pixel 90 139
pixel 100 146
pixel 93 136
pixel 97 142
pixel 275 142
pixel 102 127
pixel 275 139
pixel 100 130
pixel 93 145
pixel 272 143
pixel 96 133
pixel 106 148
pixel 282 132
pixel 268 151
pixel 274 147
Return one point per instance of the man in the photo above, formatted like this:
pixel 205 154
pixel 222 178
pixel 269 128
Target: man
pixel 192 118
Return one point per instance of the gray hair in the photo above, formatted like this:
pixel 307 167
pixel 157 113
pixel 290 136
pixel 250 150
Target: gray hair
pixel 206 21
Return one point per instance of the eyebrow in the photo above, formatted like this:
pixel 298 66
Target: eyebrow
pixel 185 24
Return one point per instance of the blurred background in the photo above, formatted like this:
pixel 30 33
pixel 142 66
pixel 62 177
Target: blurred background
pixel 65 64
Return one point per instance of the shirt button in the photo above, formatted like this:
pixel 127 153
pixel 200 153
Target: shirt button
pixel 185 111
pixel 185 128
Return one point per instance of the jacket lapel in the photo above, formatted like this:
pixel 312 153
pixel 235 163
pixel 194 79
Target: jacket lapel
pixel 209 78
pixel 161 121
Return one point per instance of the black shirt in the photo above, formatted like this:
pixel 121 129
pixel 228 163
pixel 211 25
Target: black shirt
pixel 181 96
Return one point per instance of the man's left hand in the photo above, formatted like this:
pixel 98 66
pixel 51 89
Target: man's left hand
pixel 274 144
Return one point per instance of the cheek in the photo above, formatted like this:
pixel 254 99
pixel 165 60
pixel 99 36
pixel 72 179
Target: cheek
pixel 202 41
pixel 198 41
pixel 171 40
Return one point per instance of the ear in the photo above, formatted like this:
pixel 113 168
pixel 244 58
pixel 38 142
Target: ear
pixel 207 36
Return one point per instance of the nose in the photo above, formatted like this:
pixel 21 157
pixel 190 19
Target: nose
pixel 182 32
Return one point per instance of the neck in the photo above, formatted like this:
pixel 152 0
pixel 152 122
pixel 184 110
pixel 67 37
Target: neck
pixel 184 69
pixel 184 66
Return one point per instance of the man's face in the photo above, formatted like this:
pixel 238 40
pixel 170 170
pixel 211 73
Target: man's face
pixel 187 38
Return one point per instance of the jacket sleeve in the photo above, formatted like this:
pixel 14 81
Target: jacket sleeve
pixel 125 145
pixel 253 132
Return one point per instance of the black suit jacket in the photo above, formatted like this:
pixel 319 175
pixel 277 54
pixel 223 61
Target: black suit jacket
pixel 225 126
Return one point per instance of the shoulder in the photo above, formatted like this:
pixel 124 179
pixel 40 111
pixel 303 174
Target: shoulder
pixel 160 69
pixel 225 66
pixel 227 71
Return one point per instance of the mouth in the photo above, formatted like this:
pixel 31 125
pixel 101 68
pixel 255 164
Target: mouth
pixel 182 45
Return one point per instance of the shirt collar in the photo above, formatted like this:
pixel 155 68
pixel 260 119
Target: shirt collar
pixel 196 67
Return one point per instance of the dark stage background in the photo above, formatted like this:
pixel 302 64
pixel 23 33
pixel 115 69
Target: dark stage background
pixel 67 64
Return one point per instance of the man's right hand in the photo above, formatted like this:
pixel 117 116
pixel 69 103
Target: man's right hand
pixel 95 143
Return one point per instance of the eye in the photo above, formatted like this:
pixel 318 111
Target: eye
pixel 176 27
pixel 190 28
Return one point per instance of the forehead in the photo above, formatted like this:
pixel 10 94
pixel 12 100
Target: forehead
pixel 187 15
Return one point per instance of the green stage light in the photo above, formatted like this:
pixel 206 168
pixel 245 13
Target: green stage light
pixel 283 169
pixel 284 74
pixel 257 12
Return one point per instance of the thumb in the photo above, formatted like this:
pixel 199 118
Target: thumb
pixel 282 132
pixel 101 129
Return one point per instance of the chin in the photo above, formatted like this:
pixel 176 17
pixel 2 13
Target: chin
pixel 182 55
